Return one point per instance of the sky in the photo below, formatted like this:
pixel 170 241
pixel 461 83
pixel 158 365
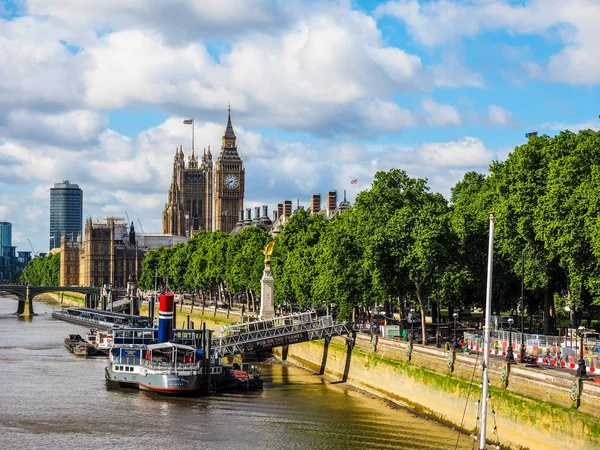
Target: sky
pixel 321 93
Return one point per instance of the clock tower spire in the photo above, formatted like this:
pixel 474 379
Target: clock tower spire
pixel 229 181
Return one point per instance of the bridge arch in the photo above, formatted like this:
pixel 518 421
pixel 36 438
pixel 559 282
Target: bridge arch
pixel 25 294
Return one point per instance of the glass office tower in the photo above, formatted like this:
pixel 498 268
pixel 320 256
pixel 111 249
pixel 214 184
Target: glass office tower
pixel 66 212
pixel 5 238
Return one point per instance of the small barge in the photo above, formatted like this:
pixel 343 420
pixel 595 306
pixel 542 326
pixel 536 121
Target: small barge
pixel 79 346
pixel 244 378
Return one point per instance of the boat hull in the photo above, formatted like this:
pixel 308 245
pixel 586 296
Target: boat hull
pixel 167 384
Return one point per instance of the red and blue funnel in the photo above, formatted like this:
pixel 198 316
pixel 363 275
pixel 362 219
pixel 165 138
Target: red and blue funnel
pixel 165 317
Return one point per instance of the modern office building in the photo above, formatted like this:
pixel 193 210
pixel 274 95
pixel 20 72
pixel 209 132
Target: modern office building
pixel 66 212
pixel 11 261
pixel 5 238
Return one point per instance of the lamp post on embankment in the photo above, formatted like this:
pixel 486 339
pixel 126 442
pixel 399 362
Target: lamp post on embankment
pixel 581 372
pixel 412 324
pixel 455 316
pixel 510 358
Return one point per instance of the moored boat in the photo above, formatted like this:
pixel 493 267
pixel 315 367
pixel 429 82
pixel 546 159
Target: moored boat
pixel 166 368
pixel 100 340
pixel 84 349
pixel 244 378
pixel 72 340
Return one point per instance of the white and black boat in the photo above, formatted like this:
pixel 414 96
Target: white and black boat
pixel 165 367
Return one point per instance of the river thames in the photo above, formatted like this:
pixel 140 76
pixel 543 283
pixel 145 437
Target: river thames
pixel 53 400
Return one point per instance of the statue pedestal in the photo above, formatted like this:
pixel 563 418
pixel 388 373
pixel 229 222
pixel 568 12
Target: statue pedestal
pixel 267 305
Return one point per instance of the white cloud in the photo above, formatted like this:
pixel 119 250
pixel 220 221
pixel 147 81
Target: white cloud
pixel 440 115
pixel 573 127
pixel 465 152
pixel 500 116
pixel 69 128
pixel 177 20
pixel 573 22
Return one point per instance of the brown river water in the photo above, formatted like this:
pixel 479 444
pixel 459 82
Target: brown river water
pixel 50 399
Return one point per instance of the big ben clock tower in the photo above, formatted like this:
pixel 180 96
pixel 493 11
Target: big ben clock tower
pixel 229 182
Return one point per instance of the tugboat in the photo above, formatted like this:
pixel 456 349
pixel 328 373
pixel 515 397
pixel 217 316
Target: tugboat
pixel 164 367
pixel 100 340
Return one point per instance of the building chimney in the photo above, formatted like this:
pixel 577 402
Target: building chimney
pixel 274 215
pixel 265 212
pixel 256 212
pixel 287 208
pixel 315 203
pixel 248 215
pixel 331 201
pixel 241 215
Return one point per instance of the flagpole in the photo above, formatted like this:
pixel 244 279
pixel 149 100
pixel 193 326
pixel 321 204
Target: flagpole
pixel 193 126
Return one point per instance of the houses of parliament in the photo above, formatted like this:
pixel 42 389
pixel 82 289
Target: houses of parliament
pixel 199 192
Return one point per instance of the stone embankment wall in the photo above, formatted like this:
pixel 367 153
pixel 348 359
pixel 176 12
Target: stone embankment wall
pixel 535 408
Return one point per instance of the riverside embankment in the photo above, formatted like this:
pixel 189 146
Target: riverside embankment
pixel 534 408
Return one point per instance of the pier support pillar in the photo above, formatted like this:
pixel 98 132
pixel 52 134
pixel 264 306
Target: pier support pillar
pixel 27 305
pixel 21 307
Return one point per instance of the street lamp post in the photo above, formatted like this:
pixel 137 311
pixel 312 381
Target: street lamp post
pixel 412 324
pixel 455 315
pixel 522 351
pixel 581 363
pixel 510 358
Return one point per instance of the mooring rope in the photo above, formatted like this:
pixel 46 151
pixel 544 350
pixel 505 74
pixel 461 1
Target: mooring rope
pixel 467 403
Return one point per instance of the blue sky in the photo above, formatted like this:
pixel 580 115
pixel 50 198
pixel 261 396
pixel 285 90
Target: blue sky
pixel 322 92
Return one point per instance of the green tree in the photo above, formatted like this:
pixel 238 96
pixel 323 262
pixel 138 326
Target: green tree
pixel 42 271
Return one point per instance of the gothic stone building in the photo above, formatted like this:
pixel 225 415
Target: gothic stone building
pixel 108 255
pixel 194 187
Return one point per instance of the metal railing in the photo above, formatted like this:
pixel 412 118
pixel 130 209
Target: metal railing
pixel 277 331
pixel 552 348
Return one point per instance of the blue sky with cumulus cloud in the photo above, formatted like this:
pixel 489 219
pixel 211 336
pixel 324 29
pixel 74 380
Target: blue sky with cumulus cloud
pixel 322 92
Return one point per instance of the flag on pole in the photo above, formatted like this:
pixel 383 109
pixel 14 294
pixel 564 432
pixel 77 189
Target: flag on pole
pixel 188 121
pixel 355 181
pixel 533 133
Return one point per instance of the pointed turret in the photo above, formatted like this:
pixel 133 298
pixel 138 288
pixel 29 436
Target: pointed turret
pixel 229 133
pixel 229 144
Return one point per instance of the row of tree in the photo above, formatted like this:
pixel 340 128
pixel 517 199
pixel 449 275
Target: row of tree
pixel 214 263
pixel 42 271
pixel 401 245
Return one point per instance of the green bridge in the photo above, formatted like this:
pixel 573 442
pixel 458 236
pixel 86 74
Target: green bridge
pixel 26 294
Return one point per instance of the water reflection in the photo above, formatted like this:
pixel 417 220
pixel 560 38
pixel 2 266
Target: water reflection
pixel 51 399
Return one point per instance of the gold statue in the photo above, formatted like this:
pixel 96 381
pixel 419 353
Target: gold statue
pixel 268 250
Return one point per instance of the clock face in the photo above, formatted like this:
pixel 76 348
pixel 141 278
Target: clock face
pixel 231 181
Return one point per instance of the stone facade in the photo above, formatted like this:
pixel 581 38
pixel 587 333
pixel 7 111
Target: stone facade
pixel 189 208
pixel 195 186
pixel 69 261
pixel 109 254
pixel 229 182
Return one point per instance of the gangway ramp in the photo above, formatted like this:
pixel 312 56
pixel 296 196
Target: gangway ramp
pixel 283 330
